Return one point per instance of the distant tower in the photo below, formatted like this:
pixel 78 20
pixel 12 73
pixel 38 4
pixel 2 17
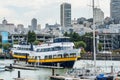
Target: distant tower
pixel 34 24
pixel 99 16
pixel 115 10
pixel 65 14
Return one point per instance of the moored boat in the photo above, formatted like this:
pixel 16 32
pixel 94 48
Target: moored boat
pixel 60 53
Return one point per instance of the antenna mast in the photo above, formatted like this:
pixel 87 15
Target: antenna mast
pixel 94 35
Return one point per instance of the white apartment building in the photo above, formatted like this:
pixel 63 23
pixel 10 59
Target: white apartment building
pixel 9 27
pixel 99 16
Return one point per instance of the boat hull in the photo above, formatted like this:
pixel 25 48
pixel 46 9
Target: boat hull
pixel 59 62
pixel 66 64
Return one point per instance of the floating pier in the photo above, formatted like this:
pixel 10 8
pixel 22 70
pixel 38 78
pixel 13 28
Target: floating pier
pixel 22 67
pixel 22 79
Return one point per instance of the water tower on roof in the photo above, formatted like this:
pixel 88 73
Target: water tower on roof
pixel 4 21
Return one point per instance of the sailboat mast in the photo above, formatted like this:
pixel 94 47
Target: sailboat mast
pixel 94 35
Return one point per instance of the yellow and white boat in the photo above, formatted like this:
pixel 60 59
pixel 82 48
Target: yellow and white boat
pixel 59 53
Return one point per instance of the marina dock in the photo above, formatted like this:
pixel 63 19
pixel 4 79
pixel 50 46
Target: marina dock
pixel 22 79
pixel 23 65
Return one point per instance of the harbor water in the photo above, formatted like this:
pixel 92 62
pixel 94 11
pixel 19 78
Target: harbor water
pixel 44 73
pixel 40 74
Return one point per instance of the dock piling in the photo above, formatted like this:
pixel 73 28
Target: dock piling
pixel 26 58
pixel 18 74
pixel 111 69
pixel 53 72
pixel 10 66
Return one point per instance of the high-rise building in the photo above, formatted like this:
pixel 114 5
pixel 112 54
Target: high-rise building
pixel 65 14
pixel 20 28
pixel 115 10
pixel 34 24
pixel 99 16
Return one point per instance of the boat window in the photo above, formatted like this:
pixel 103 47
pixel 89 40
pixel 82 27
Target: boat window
pixel 21 54
pixel 54 56
pixel 46 57
pixel 64 48
pixel 59 55
pixel 61 40
pixel 72 55
pixel 38 50
pixel 42 50
pixel 50 49
pixel 57 48
pixel 39 57
pixel 35 57
pixel 66 55
pixel 21 48
pixel 50 56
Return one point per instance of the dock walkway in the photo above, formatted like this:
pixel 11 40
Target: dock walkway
pixel 22 79
pixel 23 65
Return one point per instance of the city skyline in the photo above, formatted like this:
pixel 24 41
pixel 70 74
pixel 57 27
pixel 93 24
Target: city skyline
pixel 46 11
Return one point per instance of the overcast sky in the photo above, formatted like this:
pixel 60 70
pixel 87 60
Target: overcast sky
pixel 46 11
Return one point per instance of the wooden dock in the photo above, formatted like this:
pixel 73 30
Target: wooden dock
pixel 22 67
pixel 22 79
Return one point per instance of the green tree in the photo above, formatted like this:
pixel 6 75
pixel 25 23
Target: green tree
pixel 0 38
pixel 6 46
pixel 0 44
pixel 65 34
pixel 74 36
pixel 36 42
pixel 88 39
pixel 31 36
pixel 80 44
pixel 99 46
pixel 82 51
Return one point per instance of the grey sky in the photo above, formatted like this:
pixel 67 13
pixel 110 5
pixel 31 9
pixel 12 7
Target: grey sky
pixel 46 11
